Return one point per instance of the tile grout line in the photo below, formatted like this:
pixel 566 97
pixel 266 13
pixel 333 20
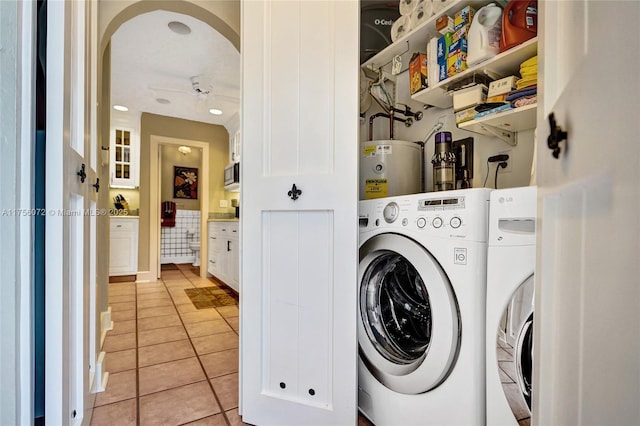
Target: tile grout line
pixel 215 395
pixel 137 360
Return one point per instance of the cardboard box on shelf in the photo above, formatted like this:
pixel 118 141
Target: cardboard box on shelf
pixel 444 42
pixel 463 17
pixel 502 86
pixel 418 72
pixel 465 115
pixel 457 59
pixel 444 24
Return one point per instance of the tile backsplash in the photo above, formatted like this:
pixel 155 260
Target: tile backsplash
pixel 174 241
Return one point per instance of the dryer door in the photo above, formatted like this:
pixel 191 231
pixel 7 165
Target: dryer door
pixel 514 349
pixel 409 326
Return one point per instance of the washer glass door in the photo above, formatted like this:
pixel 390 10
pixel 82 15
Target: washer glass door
pixel 409 328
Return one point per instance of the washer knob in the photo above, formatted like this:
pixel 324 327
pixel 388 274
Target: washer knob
pixel 422 222
pixel 390 212
pixel 437 222
pixel 455 222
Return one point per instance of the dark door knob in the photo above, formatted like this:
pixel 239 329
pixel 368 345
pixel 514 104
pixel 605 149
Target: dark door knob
pixel 82 173
pixel 97 185
pixel 556 136
pixel 294 193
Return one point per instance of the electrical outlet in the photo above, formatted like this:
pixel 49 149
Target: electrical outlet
pixel 507 169
pixel 224 203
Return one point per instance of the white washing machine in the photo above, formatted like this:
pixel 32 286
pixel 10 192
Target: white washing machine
pixel 422 283
pixel 510 292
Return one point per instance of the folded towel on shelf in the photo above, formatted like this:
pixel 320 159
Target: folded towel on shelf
pixel 517 94
pixel 168 214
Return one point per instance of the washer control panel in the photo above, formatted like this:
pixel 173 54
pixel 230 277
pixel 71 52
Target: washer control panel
pixel 460 214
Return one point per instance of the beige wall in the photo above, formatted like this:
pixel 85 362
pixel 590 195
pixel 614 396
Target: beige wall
pixel 169 158
pixel 218 139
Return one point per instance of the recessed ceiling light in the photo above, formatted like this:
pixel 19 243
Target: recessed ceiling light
pixel 215 111
pixel 163 101
pixel 120 108
pixel 179 28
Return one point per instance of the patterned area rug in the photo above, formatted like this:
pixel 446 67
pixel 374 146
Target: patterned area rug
pixel 210 297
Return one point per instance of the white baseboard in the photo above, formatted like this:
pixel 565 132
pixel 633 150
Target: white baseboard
pixel 105 324
pixel 177 259
pixel 100 376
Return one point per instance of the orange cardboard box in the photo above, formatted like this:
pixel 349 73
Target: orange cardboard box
pixel 418 72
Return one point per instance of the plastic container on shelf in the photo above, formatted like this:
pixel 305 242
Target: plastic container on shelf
pixel 519 23
pixel 484 34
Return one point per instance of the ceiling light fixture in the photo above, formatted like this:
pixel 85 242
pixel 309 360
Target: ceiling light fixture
pixel 215 111
pixel 120 108
pixel 179 28
pixel 184 150
pixel 163 101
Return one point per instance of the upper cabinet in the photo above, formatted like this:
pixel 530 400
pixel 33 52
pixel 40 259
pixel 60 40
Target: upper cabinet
pixel 124 148
pixel 503 124
pixel 234 147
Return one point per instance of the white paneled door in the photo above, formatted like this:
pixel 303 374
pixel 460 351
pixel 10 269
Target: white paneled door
pixel 587 352
pixel 71 196
pixel 298 289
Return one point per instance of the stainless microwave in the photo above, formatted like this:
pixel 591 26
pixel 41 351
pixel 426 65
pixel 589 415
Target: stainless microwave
pixel 232 174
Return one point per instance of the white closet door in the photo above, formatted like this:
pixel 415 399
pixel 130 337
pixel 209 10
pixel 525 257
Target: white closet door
pixel 71 199
pixel 299 256
pixel 587 294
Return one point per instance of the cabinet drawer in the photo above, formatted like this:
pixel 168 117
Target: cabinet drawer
pixel 123 225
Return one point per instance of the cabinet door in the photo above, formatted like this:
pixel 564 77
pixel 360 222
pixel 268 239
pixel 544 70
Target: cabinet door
pixel 123 247
pixel 299 268
pixel 124 157
pixel 587 293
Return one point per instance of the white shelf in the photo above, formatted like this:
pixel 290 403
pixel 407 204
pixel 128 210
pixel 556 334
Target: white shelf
pixel 416 40
pixel 514 120
pixel 503 64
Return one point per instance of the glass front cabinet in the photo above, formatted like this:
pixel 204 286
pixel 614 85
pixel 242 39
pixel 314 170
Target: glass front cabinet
pixel 124 154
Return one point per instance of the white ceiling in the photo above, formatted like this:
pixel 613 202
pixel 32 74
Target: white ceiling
pixel 150 61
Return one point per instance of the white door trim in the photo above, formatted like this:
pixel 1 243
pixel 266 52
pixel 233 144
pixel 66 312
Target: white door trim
pixel 154 204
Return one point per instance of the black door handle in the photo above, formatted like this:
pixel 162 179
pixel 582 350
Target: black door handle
pixel 82 173
pixel 556 136
pixel 228 245
pixel 294 193
pixel 97 185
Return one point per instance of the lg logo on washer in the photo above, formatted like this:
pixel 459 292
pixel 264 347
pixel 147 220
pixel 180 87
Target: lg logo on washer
pixel 502 200
pixel 460 256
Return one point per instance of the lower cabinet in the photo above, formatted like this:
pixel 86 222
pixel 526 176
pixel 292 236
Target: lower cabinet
pixel 224 253
pixel 123 246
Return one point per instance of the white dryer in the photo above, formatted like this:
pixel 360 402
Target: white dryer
pixel 422 283
pixel 510 293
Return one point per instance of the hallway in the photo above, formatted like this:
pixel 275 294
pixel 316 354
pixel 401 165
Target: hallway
pixel 171 363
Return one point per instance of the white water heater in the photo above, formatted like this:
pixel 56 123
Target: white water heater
pixel 389 168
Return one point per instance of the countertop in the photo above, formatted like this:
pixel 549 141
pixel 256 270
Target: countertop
pixel 224 220
pixel 123 217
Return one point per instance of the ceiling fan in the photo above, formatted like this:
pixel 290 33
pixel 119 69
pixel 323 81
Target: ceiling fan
pixel 203 92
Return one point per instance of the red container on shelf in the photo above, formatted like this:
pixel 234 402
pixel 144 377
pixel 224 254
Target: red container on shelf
pixel 519 23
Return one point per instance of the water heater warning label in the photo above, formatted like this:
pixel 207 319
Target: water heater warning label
pixel 373 150
pixel 460 256
pixel 375 188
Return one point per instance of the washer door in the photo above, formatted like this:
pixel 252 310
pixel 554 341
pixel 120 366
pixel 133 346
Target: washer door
pixel 409 327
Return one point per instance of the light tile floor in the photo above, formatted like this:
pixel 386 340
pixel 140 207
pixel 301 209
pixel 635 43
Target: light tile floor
pixel 169 363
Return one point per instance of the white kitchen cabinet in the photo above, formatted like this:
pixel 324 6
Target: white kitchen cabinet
pixel 124 157
pixel 123 246
pixel 224 253
pixel 234 147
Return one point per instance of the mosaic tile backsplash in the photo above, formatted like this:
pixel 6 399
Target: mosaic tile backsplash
pixel 174 243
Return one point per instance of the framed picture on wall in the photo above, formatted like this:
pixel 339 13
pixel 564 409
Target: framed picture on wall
pixel 185 182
